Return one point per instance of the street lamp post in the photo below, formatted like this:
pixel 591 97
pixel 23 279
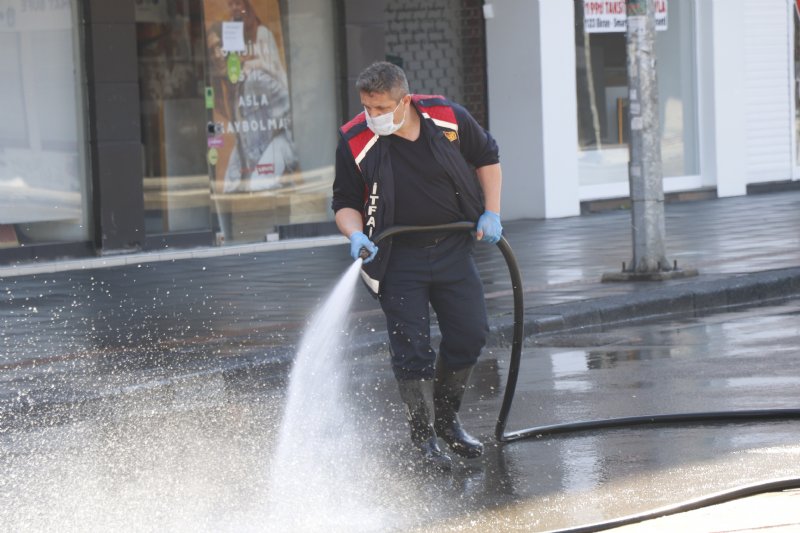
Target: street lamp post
pixel 645 172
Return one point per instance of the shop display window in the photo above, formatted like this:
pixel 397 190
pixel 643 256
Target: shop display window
pixel 602 87
pixel 44 193
pixel 796 57
pixel 171 57
pixel 240 110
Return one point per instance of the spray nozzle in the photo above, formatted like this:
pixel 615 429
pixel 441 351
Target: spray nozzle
pixel 363 253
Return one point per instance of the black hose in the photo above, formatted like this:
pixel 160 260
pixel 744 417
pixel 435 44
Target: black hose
pixel 743 491
pixel 519 310
pixel 664 419
pixel 394 230
pixel 541 431
pixel 516 356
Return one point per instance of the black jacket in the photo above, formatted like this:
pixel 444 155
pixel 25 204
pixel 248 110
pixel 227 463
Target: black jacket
pixel 364 180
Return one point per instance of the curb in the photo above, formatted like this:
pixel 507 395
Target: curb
pixel 686 298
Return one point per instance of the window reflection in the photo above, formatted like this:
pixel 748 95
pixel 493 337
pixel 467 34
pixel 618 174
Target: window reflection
pixel 796 19
pixel 171 88
pixel 602 87
pixel 274 116
pixel 43 183
pixel 238 119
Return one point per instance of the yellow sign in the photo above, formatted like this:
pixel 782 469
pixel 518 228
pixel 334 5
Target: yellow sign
pixel 213 156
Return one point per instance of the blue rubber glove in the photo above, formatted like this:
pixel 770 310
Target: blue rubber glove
pixel 358 241
pixel 489 228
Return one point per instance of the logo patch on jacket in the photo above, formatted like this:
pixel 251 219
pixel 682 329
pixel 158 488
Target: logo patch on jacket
pixel 451 135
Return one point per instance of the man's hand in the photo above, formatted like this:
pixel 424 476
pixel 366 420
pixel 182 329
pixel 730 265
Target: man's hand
pixel 358 241
pixel 489 228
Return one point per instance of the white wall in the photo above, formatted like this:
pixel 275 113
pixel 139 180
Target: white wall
pixel 768 93
pixel 721 78
pixel 532 113
pixel 746 93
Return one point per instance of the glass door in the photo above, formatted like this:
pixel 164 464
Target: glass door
pixel 795 7
pixel 171 53
pixel 239 115
pixel 272 116
pixel 602 96
pixel 44 193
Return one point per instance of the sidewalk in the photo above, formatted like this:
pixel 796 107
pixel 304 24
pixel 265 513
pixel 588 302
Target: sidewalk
pixel 774 511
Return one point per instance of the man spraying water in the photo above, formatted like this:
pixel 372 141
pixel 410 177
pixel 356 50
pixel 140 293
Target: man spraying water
pixel 420 160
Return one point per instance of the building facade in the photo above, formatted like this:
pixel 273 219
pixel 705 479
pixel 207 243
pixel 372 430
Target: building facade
pixel 728 96
pixel 142 124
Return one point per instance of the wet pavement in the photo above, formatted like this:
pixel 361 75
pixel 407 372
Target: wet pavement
pixel 199 455
pixel 148 396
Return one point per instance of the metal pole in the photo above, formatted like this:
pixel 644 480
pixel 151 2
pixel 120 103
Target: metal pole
pixel 645 170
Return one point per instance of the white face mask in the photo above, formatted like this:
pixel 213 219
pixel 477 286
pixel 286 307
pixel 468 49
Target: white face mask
pixel 384 124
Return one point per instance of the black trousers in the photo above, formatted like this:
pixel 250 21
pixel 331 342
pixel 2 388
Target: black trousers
pixel 442 274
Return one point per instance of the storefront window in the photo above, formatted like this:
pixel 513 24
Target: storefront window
pixel 239 115
pixel 796 19
pixel 271 72
pixel 171 88
pixel 601 59
pixel 44 194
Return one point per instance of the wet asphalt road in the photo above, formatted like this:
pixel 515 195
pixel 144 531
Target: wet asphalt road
pixel 198 456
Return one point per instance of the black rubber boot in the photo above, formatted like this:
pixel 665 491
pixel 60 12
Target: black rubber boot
pixel 416 394
pixel 447 394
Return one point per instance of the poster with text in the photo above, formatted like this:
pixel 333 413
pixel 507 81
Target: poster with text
pixel 610 16
pixel 251 146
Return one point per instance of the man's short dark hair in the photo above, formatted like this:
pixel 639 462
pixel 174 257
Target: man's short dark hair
pixel 383 77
